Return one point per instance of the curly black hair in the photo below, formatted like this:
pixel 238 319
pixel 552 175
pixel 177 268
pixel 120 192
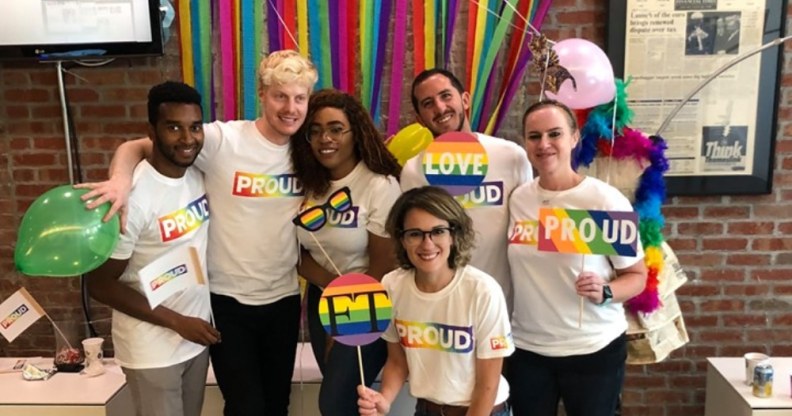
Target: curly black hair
pixel 369 146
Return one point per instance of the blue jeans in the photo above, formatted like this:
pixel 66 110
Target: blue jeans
pixel 589 384
pixel 340 372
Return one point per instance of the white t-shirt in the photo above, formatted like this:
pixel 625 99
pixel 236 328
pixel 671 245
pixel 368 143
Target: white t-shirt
pixel 163 213
pixel 345 235
pixel 443 333
pixel 545 319
pixel 488 205
pixel 253 244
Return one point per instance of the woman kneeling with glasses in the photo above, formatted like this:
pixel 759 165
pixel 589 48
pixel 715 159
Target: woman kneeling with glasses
pixel 450 329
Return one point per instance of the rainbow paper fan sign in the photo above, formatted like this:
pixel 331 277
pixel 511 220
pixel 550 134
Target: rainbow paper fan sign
pixel 355 309
pixel 588 231
pixel 456 162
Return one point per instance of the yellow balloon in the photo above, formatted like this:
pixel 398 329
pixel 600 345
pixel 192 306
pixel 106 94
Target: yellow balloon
pixel 409 141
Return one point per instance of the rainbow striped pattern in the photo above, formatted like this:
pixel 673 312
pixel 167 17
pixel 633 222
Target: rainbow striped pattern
pixel 355 309
pixel 435 336
pixel 185 220
pixel 340 201
pixel 588 232
pixel 524 232
pixel 257 185
pixel 456 161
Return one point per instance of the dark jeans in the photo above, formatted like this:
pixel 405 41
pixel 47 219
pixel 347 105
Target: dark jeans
pixel 255 360
pixel 589 385
pixel 340 372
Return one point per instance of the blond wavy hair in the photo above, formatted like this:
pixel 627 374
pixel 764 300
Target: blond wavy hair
pixel 287 67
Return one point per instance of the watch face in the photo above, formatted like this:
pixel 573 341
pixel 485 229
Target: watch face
pixel 606 293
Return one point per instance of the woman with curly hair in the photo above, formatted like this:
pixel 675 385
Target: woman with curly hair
pixel 349 179
pixel 450 330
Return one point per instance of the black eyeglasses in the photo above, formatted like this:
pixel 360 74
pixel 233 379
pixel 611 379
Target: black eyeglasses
pixel 334 133
pixel 415 236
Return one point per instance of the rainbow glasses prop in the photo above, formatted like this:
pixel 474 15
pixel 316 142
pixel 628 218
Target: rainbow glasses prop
pixel 314 218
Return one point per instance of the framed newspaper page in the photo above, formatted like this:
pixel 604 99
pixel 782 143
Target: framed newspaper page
pixel 720 141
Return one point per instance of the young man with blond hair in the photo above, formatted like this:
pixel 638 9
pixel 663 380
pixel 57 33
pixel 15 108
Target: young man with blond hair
pixel 252 250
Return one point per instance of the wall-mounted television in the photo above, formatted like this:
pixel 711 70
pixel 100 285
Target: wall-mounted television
pixel 79 29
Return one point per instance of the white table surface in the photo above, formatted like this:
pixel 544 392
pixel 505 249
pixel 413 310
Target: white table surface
pixel 733 370
pixel 61 388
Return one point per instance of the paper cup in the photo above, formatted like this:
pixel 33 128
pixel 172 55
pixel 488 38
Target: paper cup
pixel 752 359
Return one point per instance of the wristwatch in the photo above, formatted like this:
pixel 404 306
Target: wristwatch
pixel 607 295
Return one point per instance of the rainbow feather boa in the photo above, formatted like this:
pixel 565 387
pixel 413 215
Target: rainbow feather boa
pixel 597 141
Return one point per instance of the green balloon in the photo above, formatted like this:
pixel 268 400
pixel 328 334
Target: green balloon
pixel 59 237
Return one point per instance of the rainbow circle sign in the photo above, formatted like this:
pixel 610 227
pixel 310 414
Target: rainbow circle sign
pixel 456 162
pixel 355 309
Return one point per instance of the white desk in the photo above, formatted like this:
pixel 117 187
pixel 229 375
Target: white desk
pixel 72 394
pixel 65 394
pixel 728 395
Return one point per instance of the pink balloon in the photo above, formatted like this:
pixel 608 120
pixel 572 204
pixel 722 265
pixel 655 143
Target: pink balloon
pixel 592 71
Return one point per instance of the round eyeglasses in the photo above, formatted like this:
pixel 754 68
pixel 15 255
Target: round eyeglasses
pixel 334 133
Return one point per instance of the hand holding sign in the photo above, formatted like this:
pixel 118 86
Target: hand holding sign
pixel 588 232
pixel 355 310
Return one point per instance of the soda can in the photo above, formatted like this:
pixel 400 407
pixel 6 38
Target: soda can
pixel 763 380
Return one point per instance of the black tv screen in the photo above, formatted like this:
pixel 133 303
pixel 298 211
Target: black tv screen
pixel 79 29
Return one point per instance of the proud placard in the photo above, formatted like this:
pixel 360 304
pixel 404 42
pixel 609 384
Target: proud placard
pixel 588 232
pixel 456 162
pixel 355 309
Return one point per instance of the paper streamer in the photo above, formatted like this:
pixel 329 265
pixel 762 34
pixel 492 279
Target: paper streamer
pixel 429 33
pixel 335 40
pixel 289 13
pixel 397 66
pixel 352 24
pixel 343 45
pixel 324 35
pixel 302 24
pixel 419 63
pixel 315 40
pixel 249 55
pixel 185 42
pixel 379 67
pixel 228 81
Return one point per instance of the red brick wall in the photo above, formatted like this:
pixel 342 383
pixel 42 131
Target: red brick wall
pixel 734 248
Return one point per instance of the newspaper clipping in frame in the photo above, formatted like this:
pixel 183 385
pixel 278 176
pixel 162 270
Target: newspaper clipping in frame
pixel 670 47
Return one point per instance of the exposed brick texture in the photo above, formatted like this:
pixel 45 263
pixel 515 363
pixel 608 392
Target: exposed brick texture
pixel 735 249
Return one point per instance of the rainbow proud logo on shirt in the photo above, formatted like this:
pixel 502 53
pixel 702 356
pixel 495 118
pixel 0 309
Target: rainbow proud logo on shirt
pixel 456 162
pixel 487 194
pixel 524 232
pixel 435 336
pixel 185 220
pixel 256 185
pixel 168 276
pixel 13 316
pixel 588 232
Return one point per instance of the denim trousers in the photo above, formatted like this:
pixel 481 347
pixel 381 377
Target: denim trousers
pixel 589 384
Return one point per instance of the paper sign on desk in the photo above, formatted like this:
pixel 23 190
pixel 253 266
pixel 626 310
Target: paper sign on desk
pixel 173 272
pixel 18 313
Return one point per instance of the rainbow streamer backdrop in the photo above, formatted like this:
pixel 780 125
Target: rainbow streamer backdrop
pixel 347 40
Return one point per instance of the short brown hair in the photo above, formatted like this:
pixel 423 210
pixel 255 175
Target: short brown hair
pixel 441 204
